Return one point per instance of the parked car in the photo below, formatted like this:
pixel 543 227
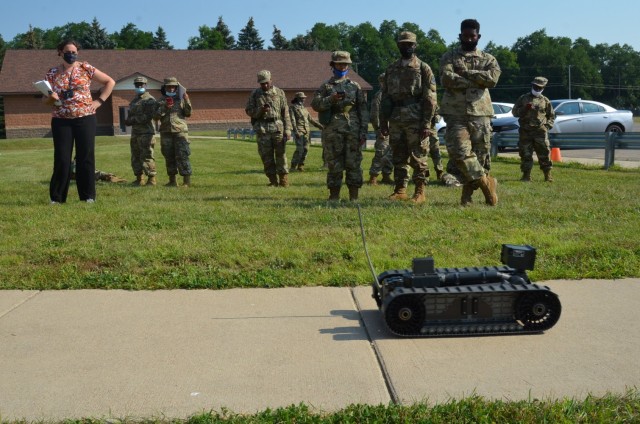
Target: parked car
pixel 577 115
pixel 500 110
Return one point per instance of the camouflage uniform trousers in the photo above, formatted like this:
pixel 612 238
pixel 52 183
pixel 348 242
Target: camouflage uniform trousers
pixel 271 149
pixel 142 161
pixel 468 140
pixel 302 149
pixel 434 150
pixel 409 150
pixel 176 151
pixel 343 153
pixel 382 161
pixel 534 140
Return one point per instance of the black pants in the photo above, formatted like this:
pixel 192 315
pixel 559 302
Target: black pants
pixel 66 132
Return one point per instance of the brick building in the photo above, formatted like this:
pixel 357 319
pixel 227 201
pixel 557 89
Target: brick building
pixel 218 82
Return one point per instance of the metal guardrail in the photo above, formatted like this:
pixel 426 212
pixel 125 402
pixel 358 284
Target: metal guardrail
pixel 607 141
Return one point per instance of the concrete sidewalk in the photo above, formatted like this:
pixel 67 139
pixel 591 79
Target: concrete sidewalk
pixel 171 354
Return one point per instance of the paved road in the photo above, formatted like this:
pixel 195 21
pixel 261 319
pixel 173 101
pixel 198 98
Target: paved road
pixel 117 354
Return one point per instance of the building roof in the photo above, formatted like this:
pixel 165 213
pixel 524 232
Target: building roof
pixel 198 70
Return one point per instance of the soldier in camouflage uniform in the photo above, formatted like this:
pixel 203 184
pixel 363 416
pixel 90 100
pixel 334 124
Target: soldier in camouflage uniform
pixel 300 122
pixel 434 147
pixel 140 118
pixel 342 108
pixel 407 108
pixel 536 117
pixel 466 74
pixel 269 112
pixel 382 161
pixel 174 132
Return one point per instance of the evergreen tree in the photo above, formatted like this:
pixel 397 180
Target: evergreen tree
pixel 249 39
pixel 228 39
pixel 278 41
pixel 31 40
pixel 130 37
pixel 97 38
pixel 159 41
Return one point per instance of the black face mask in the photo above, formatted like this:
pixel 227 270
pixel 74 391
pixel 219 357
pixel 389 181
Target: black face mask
pixel 70 58
pixel 407 51
pixel 469 46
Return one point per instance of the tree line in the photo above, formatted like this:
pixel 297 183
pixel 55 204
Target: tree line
pixel 575 68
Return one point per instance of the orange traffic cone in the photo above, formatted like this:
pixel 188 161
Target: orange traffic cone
pixel 556 156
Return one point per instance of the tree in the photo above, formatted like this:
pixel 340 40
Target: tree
pixel 248 38
pixel 508 88
pixel 130 37
pixel 367 51
pixel 70 31
pixel 31 40
pixel 302 42
pixel 96 38
pixel 227 37
pixel 159 41
pixel 278 41
pixel 209 39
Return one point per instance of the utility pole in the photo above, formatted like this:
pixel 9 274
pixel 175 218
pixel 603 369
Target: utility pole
pixel 569 67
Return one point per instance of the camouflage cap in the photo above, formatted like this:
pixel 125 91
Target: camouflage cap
pixel 340 57
pixel 540 81
pixel 299 95
pixel 142 80
pixel 171 81
pixel 264 76
pixel 407 37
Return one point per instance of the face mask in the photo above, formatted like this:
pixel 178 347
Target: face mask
pixel 536 93
pixel 338 73
pixel 170 94
pixel 407 52
pixel 140 90
pixel 70 57
pixel 469 46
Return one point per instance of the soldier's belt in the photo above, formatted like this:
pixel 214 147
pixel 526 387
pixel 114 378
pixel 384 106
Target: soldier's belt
pixel 269 119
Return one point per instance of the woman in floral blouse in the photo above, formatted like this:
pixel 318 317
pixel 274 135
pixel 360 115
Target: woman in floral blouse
pixel 74 122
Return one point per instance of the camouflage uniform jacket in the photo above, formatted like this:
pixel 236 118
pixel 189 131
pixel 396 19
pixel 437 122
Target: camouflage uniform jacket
pixel 301 118
pixel 172 120
pixel 409 93
pixel 540 115
pixel 352 109
pixel 141 111
pixel 374 116
pixel 466 78
pixel 276 118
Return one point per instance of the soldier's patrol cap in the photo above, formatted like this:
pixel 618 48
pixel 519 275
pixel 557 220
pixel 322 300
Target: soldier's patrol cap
pixel 264 76
pixel 300 95
pixel 540 81
pixel 407 37
pixel 142 80
pixel 171 81
pixel 340 57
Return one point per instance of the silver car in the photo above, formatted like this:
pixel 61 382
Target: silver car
pixel 579 115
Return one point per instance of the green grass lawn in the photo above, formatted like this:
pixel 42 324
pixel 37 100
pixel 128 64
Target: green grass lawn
pixel 230 230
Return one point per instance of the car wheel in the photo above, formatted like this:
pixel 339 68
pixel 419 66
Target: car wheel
pixel 614 128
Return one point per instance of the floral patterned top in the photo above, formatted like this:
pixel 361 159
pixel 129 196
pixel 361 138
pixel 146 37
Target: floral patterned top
pixel 78 80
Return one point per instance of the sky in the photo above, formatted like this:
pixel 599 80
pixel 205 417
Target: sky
pixel 501 22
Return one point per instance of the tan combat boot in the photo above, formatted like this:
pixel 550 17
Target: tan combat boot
pixel 400 193
pixel 418 195
pixel 301 168
pixel 547 175
pixel 273 180
pixel 152 181
pixel 138 182
pixel 353 193
pixel 186 180
pixel 373 180
pixel 386 179
pixel 467 192
pixel 172 181
pixel 526 176
pixel 334 193
pixel 488 186
pixel 284 180
pixel 439 173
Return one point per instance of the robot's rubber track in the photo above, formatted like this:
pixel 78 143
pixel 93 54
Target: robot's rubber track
pixel 483 309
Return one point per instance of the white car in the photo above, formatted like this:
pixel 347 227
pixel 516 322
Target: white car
pixel 500 110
